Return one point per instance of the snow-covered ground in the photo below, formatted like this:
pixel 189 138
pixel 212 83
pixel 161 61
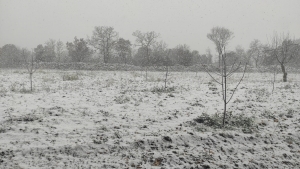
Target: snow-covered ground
pixel 119 120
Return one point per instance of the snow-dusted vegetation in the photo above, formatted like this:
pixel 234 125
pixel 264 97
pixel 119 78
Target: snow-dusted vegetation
pixel 170 84
pixel 117 119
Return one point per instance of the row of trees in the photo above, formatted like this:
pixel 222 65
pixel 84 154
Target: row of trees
pixel 106 46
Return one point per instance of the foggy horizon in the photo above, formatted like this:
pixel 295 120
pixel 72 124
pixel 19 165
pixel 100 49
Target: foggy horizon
pixel 30 23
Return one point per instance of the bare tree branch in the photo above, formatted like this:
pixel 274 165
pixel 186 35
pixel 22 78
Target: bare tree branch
pixel 237 84
pixel 212 76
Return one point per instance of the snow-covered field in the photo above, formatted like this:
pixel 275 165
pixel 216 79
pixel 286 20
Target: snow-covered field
pixel 119 120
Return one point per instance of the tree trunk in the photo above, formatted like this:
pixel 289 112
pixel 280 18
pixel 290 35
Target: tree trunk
pixel 285 77
pixel 31 82
pixel 225 88
pixel 224 113
pixel 284 72
pixel 105 59
pixel 256 64
pixel 148 62
pixel 146 73
pixel 219 61
pixel 166 77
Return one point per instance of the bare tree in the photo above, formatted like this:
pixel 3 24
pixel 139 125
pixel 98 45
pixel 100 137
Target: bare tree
pixel 225 71
pixel 59 50
pixel 167 62
pixel 146 41
pixel 49 48
pixel 161 58
pixel 209 55
pixel 184 55
pixel 104 39
pixel 220 36
pixel 123 49
pixel 30 64
pixel 256 52
pixel 10 55
pixel 283 50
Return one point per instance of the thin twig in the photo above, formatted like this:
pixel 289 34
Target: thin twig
pixel 212 76
pixel 237 84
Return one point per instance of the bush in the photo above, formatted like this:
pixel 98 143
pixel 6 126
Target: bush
pixel 16 87
pixel 162 89
pixel 259 95
pixel 241 121
pixel 2 129
pixel 122 99
pixel 25 91
pixel 288 86
pixel 3 90
pixel 260 92
pixel 27 118
pixel 215 121
pixel 70 77
pixel 268 114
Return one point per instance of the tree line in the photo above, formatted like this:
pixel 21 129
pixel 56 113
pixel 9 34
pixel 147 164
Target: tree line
pixel 105 45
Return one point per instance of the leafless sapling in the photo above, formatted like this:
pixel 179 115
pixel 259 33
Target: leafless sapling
pixel 167 64
pixel 225 70
pixel 274 69
pixel 31 66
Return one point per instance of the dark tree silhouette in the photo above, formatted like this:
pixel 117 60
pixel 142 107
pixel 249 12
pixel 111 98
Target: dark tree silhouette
pixel 104 39
pixel 284 50
pixel 146 41
pixel 123 49
pixel 78 50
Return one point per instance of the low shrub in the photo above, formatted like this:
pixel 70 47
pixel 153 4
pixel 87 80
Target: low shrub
pixel 27 118
pixel 2 129
pixel 287 86
pixel 17 87
pixel 259 95
pixel 3 90
pixel 214 121
pixel 24 91
pixel 122 99
pixel 46 87
pixel 70 77
pixel 263 92
pixel 233 121
pixel 109 82
pixel 162 89
pixel 268 114
pixel 13 87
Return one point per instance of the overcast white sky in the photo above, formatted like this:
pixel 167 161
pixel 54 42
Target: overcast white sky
pixel 27 23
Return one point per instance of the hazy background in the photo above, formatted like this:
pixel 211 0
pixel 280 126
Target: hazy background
pixel 28 23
